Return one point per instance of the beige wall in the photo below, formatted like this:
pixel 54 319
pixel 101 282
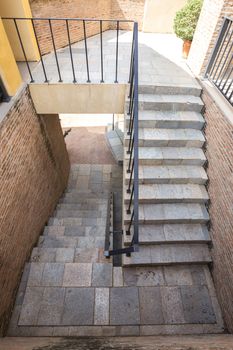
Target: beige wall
pixel 19 8
pixel 74 98
pixel 9 72
pixel 159 15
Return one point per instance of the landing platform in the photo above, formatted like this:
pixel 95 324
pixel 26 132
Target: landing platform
pixel 160 57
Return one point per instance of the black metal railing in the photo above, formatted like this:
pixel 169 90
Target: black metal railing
pixel 132 211
pixel 52 36
pixel 220 67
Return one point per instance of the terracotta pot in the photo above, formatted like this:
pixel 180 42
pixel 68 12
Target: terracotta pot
pixel 186 48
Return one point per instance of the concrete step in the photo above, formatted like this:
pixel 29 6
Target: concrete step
pixel 173 233
pixel 170 89
pixel 170 174
pixel 169 254
pixel 170 103
pixel 170 193
pixel 169 156
pixel 169 119
pixel 177 213
pixel 153 137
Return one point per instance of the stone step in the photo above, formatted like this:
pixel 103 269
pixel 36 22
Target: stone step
pixel 53 221
pixel 169 119
pixel 173 233
pixel 74 231
pixel 169 254
pixel 169 156
pixel 67 255
pixel 177 213
pixel 71 242
pixel 82 201
pixel 82 206
pixel 170 89
pixel 170 102
pixel 153 137
pixel 87 193
pixel 170 193
pixel 67 213
pixel 170 174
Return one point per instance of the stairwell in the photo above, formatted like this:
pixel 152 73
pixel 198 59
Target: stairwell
pixel 70 289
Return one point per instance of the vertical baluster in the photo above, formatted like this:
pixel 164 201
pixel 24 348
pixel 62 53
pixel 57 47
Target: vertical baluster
pixel 70 48
pixel 113 121
pixel 130 201
pixel 227 78
pixel 221 58
pixel 218 47
pixel 230 97
pixel 131 60
pixel 101 52
pixel 41 58
pixel 55 51
pixel 117 44
pixel 131 178
pixel 23 50
pixel 131 154
pixel 85 42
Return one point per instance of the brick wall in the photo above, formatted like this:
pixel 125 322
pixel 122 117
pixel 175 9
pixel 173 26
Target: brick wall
pixel 128 9
pixel 207 31
pixel 34 172
pixel 219 133
pixel 105 9
pixel 68 9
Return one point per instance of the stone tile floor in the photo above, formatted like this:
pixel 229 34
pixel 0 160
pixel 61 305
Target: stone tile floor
pixel 160 60
pixel 69 288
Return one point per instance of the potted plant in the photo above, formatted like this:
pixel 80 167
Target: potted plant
pixel 185 23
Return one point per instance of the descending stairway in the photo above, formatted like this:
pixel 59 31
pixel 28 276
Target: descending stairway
pixel 173 200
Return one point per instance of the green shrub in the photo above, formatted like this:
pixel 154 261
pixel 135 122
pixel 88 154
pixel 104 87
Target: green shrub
pixel 185 21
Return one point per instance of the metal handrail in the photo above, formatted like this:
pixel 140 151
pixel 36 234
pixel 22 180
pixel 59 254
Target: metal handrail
pixel 220 66
pixel 84 23
pixel 72 19
pixel 132 210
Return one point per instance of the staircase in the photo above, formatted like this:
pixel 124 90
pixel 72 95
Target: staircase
pixel 173 200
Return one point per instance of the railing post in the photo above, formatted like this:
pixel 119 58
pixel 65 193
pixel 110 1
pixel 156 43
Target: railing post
pixel 214 53
pixel 22 47
pixel 70 48
pixel 38 45
pixel 55 51
pixel 101 52
pixel 85 42
pixel 117 44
